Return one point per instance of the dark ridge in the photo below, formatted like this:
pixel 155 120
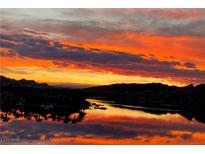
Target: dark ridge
pixel 22 83
pixel 189 101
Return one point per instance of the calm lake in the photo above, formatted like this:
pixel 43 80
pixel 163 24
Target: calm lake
pixel 103 123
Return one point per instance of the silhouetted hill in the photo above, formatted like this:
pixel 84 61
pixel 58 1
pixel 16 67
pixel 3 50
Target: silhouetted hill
pixel 30 94
pixel 22 83
pixel 188 100
pixel 145 93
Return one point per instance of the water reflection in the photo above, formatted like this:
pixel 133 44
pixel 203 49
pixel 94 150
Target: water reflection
pixel 43 113
pixel 111 126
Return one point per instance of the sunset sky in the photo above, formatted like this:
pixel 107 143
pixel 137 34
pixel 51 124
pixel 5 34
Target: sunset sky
pixel 88 47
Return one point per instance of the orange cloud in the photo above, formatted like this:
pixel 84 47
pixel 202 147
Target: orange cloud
pixel 43 52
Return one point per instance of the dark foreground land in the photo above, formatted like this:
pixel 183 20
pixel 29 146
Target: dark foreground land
pixel 30 99
pixel 155 98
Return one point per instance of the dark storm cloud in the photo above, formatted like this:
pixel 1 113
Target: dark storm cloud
pixel 113 61
pixel 40 48
pixel 190 65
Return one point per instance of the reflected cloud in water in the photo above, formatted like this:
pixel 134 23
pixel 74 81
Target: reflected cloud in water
pixel 109 126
